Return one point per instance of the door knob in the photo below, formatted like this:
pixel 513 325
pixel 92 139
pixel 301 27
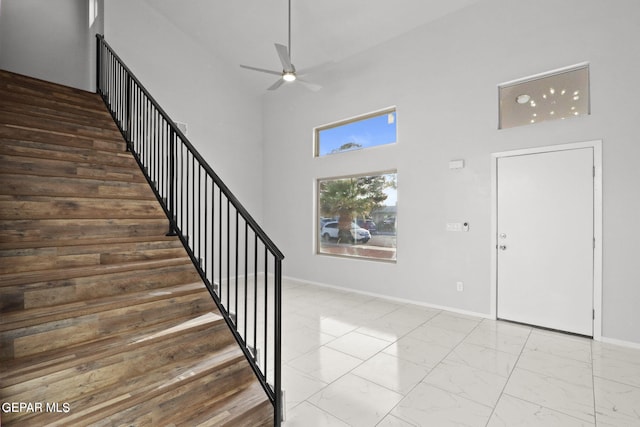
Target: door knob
pixel 503 247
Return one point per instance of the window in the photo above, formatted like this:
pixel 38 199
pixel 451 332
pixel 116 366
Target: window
pixel 561 94
pixel 357 216
pixel 366 131
pixel 93 11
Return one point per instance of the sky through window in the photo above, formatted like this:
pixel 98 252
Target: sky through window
pixel 357 134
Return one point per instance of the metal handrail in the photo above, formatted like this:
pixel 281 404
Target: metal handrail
pixel 197 201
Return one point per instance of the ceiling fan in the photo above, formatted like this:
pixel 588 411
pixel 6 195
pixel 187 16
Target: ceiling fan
pixel 288 73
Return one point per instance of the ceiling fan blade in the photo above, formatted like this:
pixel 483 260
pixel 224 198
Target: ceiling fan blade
pixel 311 86
pixel 276 85
pixel 283 53
pixel 262 70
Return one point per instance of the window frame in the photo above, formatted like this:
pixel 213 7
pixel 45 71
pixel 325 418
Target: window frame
pixel 510 107
pixel 318 217
pixel 344 122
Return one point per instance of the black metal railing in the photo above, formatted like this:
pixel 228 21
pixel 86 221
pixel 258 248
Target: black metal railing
pixel 240 265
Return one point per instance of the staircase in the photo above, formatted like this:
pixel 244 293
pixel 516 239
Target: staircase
pixel 104 319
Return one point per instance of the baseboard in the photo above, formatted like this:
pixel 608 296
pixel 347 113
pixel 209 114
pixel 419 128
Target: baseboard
pixel 621 343
pixel 390 298
pixel 614 341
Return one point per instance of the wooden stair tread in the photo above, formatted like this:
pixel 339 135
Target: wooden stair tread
pixel 136 384
pixel 126 408
pixel 50 335
pixel 248 407
pixel 35 366
pixel 49 314
pixel 85 241
pixel 144 363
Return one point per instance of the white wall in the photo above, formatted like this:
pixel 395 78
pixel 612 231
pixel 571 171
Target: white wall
pixel 49 40
pixel 443 79
pixel 192 86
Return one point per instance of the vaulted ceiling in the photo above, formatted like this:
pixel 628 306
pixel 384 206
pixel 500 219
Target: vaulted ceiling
pixel 322 31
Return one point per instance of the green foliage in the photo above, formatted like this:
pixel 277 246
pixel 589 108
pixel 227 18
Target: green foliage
pixel 347 198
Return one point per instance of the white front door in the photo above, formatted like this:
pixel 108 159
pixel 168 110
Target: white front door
pixel 545 226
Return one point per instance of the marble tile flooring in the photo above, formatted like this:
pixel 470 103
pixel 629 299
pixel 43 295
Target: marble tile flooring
pixel 356 360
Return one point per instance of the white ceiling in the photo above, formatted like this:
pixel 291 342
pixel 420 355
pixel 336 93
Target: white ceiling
pixel 323 31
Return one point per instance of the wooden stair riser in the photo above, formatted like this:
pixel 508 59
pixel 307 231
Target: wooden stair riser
pixel 11 134
pixel 61 168
pixel 17 82
pixel 74 289
pixel 42 207
pixel 47 276
pixel 41 123
pixel 67 230
pixel 41 107
pixel 13 322
pixel 29 185
pixel 244 411
pixel 33 95
pixel 45 258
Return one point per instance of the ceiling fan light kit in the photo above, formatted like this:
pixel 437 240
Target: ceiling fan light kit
pixel 288 73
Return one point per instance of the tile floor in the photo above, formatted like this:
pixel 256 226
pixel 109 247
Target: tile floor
pixel 357 360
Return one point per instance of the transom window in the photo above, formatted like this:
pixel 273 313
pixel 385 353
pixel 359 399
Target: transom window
pixel 557 95
pixel 366 131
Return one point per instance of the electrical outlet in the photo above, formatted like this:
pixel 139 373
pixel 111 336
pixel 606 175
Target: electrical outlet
pixel 460 286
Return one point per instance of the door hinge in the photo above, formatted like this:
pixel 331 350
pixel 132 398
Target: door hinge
pixel 594 315
pixel 594 171
pixel 594 243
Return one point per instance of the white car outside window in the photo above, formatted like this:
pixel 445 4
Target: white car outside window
pixel 358 235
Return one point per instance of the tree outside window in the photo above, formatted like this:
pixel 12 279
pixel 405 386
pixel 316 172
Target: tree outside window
pixel 357 216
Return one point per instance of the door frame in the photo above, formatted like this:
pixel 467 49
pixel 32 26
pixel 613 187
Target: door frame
pixel 596 145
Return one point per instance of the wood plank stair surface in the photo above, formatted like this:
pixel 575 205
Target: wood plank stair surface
pixel 103 318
